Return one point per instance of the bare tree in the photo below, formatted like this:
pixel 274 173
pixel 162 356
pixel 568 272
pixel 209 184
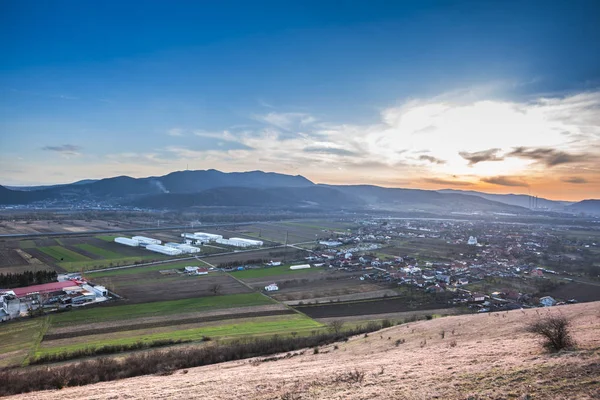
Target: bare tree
pixel 554 331
pixel 215 289
pixel 336 326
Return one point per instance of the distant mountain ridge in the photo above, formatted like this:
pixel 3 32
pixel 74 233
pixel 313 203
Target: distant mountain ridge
pixel 185 189
pixel 521 200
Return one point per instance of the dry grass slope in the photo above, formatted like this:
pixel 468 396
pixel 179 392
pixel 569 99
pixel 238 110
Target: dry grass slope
pixel 485 356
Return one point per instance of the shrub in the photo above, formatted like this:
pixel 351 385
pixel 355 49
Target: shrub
pixel 554 330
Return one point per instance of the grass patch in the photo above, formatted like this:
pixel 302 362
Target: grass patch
pixel 18 339
pixel 131 311
pixel 27 244
pixel 107 238
pixel 270 271
pixel 60 253
pixel 254 327
pixel 75 266
pixel 98 251
pixel 150 268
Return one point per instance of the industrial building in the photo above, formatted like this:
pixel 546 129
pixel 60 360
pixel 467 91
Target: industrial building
pixel 127 241
pixel 240 242
pixel 301 266
pixel 143 240
pixel 201 237
pixel 170 251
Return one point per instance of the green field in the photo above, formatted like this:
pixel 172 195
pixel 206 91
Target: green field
pixel 60 253
pixel 150 268
pixel 255 327
pixel 74 266
pixel 107 238
pixel 27 244
pixel 18 339
pixel 131 311
pixel 270 271
pixel 98 251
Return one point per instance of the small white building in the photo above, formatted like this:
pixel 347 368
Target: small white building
pixel 547 301
pixel 472 241
pixel 330 243
pixel 272 287
pixel 301 266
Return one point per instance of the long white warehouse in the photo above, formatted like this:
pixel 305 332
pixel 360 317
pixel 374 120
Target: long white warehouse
pixel 146 240
pixel 127 241
pixel 186 248
pixel 170 251
pixel 302 266
pixel 239 242
pixel 209 236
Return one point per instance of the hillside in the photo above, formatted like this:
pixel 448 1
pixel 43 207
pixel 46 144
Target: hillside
pixel 585 206
pixel 520 200
pixel 493 358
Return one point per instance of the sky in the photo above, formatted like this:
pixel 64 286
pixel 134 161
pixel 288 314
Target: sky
pixel 496 96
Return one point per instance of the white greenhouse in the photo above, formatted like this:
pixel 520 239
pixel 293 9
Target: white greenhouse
pixel 146 240
pixel 170 251
pixel 127 241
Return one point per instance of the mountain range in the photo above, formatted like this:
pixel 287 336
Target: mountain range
pixel 185 189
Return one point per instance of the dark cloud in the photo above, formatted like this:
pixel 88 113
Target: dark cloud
pixel 481 156
pixel 432 159
pixel 549 157
pixel 504 181
pixel 65 148
pixel 448 182
pixel 329 150
pixel 574 179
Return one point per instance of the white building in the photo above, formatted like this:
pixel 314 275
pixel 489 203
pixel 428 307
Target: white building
pixel 240 242
pixel 330 243
pixel 146 240
pixel 127 241
pixel 301 266
pixel 170 251
pixel 185 248
pixel 272 287
pixel 209 236
pixel 472 241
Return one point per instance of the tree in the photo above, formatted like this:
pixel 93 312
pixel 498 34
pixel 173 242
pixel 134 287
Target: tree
pixel 336 326
pixel 554 330
pixel 215 289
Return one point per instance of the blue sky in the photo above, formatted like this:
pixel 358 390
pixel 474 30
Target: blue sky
pixel 90 90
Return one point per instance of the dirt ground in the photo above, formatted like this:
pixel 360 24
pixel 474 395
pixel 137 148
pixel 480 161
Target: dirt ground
pixel 153 286
pixel 480 357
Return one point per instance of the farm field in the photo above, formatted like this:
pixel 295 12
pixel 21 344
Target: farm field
pixel 152 286
pixel 425 249
pixel 62 254
pixel 268 325
pixel 274 271
pixel 160 308
pixel 18 338
pixel 363 307
pixel 98 251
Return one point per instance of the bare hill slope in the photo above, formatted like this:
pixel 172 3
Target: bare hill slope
pixel 484 356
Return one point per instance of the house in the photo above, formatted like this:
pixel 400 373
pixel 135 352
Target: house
pixel 477 297
pixel 191 270
pixel 202 271
pixel 272 287
pixel 547 301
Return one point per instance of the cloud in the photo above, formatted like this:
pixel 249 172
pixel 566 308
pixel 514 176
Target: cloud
pixel 574 179
pixel 481 156
pixel 431 159
pixel 286 121
pixel 505 181
pixel 65 149
pixel 447 182
pixel 175 132
pixel 329 150
pixel 547 156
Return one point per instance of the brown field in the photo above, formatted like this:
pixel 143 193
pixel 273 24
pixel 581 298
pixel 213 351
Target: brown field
pixel 64 225
pixel 153 286
pixel 492 358
pixel 277 254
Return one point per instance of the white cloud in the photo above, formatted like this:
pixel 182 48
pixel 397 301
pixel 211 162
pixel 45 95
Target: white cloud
pixel 175 132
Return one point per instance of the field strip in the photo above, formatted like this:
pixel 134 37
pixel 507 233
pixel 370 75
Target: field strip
pixel 151 325
pixel 169 318
pixel 378 294
pixel 391 316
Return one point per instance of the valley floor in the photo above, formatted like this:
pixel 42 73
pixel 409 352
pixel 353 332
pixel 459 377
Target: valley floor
pixel 483 356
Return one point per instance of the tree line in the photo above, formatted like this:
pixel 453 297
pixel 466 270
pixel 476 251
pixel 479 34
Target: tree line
pixel 27 278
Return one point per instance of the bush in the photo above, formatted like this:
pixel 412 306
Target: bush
pixel 554 331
